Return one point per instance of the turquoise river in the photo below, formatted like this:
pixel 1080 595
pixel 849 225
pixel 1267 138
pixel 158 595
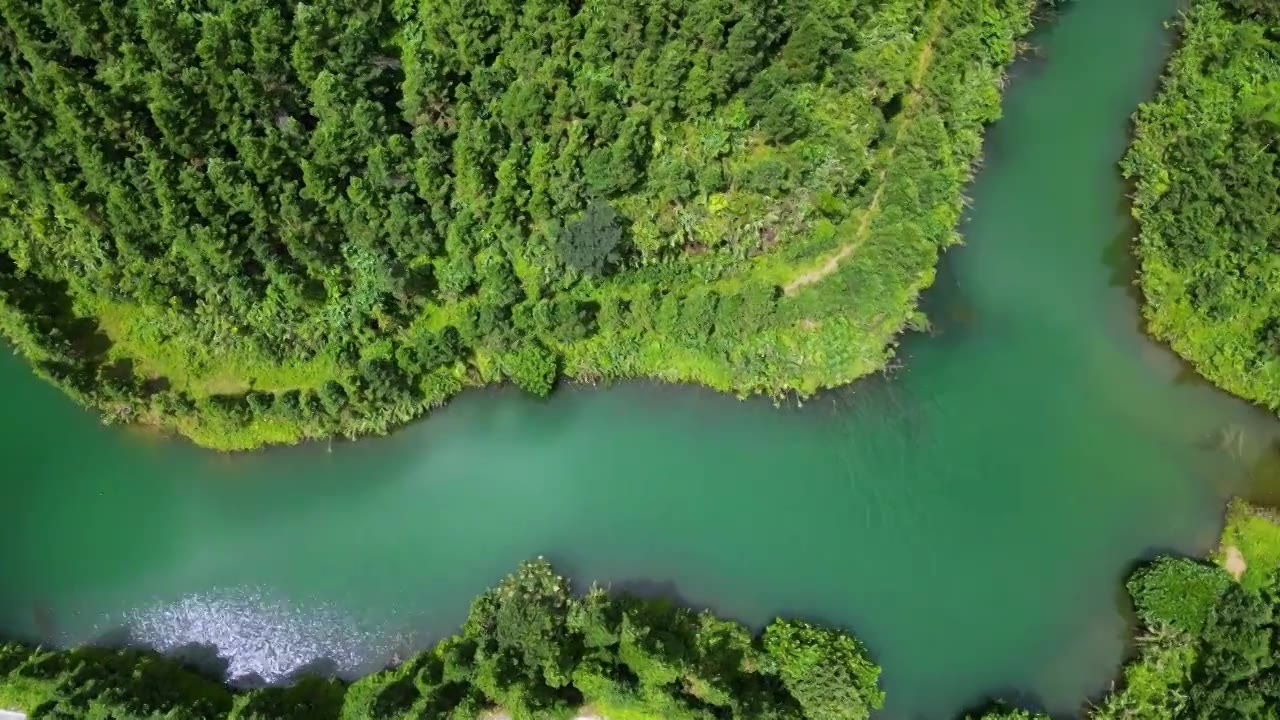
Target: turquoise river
pixel 970 515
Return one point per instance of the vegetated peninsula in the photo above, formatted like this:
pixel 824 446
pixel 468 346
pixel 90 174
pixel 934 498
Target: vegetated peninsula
pixel 1206 160
pixel 259 221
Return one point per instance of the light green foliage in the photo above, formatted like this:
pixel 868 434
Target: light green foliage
pixel 827 671
pixel 534 649
pixel 211 212
pixel 1255 534
pixel 532 368
pixel 1175 599
pixel 97 684
pixel 1206 160
pixel 1154 684
pixel 435 684
pixel 1177 592
pixel 518 630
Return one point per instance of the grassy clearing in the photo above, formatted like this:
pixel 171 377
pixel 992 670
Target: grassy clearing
pixel 1255 532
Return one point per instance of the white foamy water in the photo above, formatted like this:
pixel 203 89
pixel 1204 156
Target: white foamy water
pixel 262 634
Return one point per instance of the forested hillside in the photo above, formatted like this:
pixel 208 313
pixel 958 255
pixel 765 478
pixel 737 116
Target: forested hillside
pixel 259 221
pixel 1206 160
pixel 529 647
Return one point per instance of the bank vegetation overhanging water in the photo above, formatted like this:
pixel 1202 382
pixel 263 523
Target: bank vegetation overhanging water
pixel 1206 163
pixel 529 647
pixel 272 222
pixel 1204 653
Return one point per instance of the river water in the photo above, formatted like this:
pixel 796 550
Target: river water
pixel 971 516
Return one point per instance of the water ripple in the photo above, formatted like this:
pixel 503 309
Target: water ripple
pixel 259 634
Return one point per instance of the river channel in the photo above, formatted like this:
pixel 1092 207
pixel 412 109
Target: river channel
pixel 971 515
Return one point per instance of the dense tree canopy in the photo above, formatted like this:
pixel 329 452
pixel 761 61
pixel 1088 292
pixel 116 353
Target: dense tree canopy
pixel 257 220
pixel 535 649
pixel 529 647
pixel 95 683
pixel 1206 159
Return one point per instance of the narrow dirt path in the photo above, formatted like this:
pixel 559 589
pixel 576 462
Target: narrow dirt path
pixel 860 236
pixel 1235 564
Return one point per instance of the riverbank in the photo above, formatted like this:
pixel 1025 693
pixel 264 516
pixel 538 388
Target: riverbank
pixel 1206 162
pixel 1204 640
pixel 754 209
pixel 529 646
pixel 1034 435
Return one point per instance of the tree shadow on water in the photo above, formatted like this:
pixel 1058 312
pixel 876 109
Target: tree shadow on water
pixel 645 589
pixel 1262 486
pixel 202 658
pixel 662 590
pixel 1118 256
pixel 951 312
pixel 1121 260
pixel 312 689
pixel 1004 701
pixel 322 668
pixel 1123 269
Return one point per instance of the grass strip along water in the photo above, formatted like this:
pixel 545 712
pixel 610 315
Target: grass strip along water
pixel 258 222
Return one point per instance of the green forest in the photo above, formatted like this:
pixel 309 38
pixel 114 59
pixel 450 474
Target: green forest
pixel 529 647
pixel 259 221
pixel 1206 163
